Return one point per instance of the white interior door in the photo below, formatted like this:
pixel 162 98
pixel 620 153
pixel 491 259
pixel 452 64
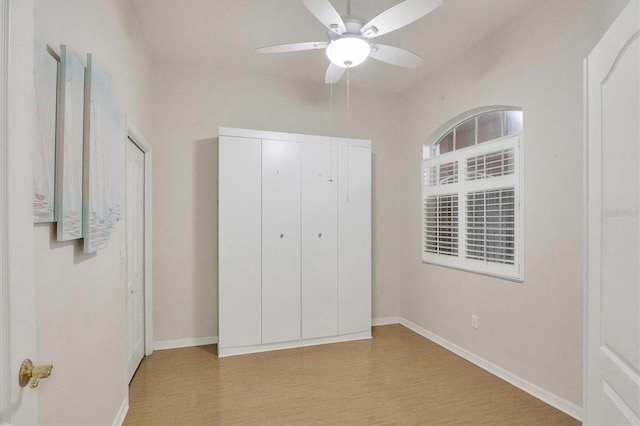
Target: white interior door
pixel 135 256
pixel 280 241
pixel 319 241
pixel 18 405
pixel 612 382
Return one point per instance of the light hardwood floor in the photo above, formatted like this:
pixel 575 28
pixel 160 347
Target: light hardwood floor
pixel 398 377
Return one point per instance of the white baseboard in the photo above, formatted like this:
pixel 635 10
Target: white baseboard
pixel 184 343
pixel 561 404
pixel 243 350
pixel 385 321
pixel 199 341
pixel 122 412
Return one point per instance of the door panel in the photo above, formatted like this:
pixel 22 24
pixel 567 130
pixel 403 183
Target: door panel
pixel 620 206
pixel 613 290
pixel 239 251
pixel 280 241
pixel 354 235
pixel 319 241
pixel 135 256
pixel 17 285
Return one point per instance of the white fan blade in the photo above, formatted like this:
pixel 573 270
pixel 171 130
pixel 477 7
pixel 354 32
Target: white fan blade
pixel 395 56
pixel 327 14
pixel 398 16
pixel 334 73
pixel 293 47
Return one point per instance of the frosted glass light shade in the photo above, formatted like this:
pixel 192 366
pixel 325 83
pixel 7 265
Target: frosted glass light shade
pixel 348 51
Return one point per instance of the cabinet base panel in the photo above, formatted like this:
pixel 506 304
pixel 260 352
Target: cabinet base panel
pixel 243 350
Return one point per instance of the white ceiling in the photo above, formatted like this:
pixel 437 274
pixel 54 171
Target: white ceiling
pixel 224 34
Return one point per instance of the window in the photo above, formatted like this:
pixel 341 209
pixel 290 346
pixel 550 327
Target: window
pixel 472 194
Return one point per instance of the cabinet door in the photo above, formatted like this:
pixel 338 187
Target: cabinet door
pixel 239 246
pixel 280 241
pixel 354 236
pixel 319 241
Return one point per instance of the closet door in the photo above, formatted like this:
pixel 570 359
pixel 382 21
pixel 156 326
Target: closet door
pixel 319 241
pixel 239 246
pixel 354 250
pixel 280 241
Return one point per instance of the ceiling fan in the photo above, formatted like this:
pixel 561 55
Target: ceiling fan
pixel 350 36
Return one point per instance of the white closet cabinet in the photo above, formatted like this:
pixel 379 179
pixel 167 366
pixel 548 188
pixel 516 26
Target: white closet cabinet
pixel 354 225
pixel 280 241
pixel 294 244
pixel 239 236
pixel 319 241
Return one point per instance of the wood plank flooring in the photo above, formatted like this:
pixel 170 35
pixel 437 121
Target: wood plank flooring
pixel 398 377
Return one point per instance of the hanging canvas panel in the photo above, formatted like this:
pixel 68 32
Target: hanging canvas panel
pixel 104 159
pixel 69 149
pixel 45 78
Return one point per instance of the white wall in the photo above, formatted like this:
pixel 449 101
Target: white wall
pixel 189 106
pixel 531 329
pixel 81 298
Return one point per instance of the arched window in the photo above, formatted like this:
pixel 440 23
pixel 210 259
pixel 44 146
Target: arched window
pixel 472 193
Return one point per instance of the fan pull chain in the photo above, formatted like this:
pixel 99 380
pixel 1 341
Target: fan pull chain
pixel 348 124
pixel 348 102
pixel 348 172
pixel 331 135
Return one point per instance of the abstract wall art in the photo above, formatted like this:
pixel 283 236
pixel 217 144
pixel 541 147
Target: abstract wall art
pixel 69 146
pixel 45 78
pixel 104 159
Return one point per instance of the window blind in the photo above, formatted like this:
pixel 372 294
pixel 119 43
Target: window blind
pixel 441 224
pixel 441 174
pixel 490 219
pixel 471 208
pixel 493 164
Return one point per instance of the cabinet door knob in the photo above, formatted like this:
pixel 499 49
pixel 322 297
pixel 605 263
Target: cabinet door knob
pixel 281 236
pixel 320 235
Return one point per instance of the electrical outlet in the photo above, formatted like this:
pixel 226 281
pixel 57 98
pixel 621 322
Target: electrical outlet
pixel 474 321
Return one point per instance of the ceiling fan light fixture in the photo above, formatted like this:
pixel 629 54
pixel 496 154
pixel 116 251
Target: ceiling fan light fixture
pixel 348 52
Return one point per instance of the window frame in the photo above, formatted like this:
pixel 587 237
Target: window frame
pixel 463 187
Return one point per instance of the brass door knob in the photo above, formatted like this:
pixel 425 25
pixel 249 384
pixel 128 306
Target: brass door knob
pixel 33 373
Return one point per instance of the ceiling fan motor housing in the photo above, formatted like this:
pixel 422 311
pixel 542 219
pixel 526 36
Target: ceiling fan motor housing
pixel 353 25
